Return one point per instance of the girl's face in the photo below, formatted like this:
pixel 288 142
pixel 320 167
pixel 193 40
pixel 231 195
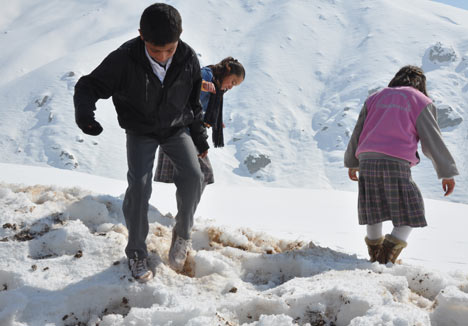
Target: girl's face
pixel 230 81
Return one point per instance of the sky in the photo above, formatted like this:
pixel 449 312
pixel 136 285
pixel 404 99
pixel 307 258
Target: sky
pixel 456 3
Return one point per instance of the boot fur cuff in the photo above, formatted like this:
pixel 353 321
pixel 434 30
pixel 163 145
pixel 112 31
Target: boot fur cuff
pixel 397 242
pixel 376 242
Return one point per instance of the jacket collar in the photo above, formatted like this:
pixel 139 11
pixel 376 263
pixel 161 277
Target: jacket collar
pixel 136 48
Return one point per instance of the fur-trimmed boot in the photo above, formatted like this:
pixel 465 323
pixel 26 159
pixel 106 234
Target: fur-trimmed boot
pixel 374 247
pixel 391 249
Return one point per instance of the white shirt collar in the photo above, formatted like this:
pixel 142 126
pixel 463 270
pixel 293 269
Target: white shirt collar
pixel 158 70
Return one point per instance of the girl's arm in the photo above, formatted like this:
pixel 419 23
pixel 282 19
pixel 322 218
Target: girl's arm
pixel 207 77
pixel 433 145
pixel 350 160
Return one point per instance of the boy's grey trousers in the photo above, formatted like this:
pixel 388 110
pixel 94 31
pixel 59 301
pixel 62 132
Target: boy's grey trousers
pixel 188 179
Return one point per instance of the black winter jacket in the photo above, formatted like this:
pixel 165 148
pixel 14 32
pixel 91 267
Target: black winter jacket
pixel 144 105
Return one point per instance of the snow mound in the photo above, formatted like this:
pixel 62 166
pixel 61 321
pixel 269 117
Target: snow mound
pixel 447 117
pixel 63 264
pixel 438 55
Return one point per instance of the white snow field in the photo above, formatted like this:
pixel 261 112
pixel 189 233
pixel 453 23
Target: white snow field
pixel 62 259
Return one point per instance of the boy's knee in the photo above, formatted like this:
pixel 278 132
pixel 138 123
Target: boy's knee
pixel 197 175
pixel 193 176
pixel 140 184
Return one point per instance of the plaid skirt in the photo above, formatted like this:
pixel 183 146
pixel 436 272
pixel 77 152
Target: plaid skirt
pixel 165 169
pixel 387 192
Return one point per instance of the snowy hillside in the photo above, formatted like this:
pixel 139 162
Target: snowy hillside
pixel 62 261
pixel 310 65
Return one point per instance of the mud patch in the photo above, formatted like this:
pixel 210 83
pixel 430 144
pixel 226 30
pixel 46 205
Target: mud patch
pixel 250 241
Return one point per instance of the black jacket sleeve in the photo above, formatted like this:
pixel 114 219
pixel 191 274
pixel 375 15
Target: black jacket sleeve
pixel 102 83
pixel 197 128
pixel 199 136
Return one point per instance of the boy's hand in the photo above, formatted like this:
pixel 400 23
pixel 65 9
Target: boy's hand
pixel 352 174
pixel 448 185
pixel 208 87
pixel 91 127
pixel 203 155
pixel 199 136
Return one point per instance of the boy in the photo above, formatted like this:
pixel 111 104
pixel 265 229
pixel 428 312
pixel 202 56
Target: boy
pixel 155 84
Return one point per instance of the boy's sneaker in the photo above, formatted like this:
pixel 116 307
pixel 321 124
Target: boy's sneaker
pixel 178 252
pixel 139 269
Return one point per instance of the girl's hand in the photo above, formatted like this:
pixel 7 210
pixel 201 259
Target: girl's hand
pixel 352 174
pixel 208 87
pixel 448 185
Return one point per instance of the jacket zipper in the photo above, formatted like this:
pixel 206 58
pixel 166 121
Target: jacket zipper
pixel 146 90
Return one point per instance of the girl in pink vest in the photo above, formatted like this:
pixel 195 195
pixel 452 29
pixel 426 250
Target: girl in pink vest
pixel 382 149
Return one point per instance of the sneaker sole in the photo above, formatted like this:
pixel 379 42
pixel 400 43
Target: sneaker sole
pixel 176 267
pixel 145 278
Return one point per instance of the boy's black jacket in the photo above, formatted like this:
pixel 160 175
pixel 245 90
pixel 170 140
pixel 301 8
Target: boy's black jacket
pixel 145 106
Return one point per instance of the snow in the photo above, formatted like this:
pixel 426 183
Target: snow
pixel 276 240
pixel 63 263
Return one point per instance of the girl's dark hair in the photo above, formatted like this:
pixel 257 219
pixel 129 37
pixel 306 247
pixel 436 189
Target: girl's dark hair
pixel 160 24
pixel 410 76
pixel 227 66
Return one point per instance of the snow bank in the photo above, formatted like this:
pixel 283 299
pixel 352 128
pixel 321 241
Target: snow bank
pixel 63 264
